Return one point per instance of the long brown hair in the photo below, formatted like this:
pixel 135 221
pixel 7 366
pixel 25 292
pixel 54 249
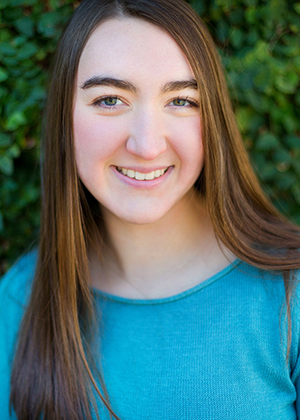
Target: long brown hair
pixel 52 372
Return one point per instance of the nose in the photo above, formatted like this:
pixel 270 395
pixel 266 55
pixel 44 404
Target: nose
pixel 147 138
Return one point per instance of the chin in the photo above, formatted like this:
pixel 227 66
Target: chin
pixel 138 217
pixel 142 219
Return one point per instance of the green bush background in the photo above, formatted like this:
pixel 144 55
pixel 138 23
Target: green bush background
pixel 259 42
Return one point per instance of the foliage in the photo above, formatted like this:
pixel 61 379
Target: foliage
pixel 259 42
pixel 28 35
pixel 260 47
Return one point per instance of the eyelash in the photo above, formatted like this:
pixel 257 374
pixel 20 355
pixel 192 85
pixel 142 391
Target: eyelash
pixel 192 103
pixel 97 102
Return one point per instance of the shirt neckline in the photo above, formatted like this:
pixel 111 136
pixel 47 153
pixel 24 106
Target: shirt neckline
pixel 178 296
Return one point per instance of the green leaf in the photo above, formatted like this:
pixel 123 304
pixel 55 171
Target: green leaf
pixel 27 51
pixel 251 14
pixel 296 7
pixel 236 16
pixel 263 78
pixel 3 93
pixel 296 166
pixel 16 120
pixel 254 99
pixel 261 50
pixel 290 123
pixel 292 141
pixel 287 83
pixel 13 151
pixel 9 61
pixel 3 74
pixel 236 38
pixel 47 24
pixel 4 3
pixel 286 181
pixel 7 50
pixel 23 2
pixel 11 14
pixel 297 62
pixel 197 5
pixel 268 171
pixel 283 156
pixel 222 30
pixel 25 26
pixel 267 141
pixel 6 165
pixel 250 2
pixel 252 37
pixel 294 28
pixel 5 140
pixel 244 116
pixel 19 41
pixel 296 192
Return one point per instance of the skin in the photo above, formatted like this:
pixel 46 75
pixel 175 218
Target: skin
pixel 131 112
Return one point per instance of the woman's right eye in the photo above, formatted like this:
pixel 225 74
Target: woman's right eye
pixel 108 102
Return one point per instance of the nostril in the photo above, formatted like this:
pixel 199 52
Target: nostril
pixel 144 148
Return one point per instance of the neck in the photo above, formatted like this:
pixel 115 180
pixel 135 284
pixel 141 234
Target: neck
pixel 161 258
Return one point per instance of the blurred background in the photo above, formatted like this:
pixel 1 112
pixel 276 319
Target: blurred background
pixel 259 42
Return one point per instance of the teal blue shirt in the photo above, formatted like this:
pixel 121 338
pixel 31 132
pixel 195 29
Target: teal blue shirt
pixel 216 351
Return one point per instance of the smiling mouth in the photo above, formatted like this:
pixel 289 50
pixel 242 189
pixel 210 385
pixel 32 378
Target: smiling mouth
pixel 141 176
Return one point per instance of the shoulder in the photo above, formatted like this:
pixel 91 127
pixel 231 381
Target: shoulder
pixel 272 281
pixel 249 283
pixel 15 285
pixel 15 288
pixel 268 327
pixel 278 305
pixel 261 297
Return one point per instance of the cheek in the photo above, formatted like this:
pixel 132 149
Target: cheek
pixel 96 138
pixel 188 144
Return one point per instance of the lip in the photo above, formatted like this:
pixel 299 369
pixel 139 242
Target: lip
pixel 144 184
pixel 143 170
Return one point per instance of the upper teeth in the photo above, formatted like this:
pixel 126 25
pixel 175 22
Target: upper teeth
pixel 139 175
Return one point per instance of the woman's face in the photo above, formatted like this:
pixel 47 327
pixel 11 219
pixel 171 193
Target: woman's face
pixel 137 128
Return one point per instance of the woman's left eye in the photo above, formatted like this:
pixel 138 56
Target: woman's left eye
pixel 183 103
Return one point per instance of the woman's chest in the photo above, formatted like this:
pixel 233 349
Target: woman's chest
pixel 220 362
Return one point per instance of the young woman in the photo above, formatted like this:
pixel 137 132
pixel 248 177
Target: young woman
pixel 163 284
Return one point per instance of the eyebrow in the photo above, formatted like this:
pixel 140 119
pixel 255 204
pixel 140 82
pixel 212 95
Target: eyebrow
pixel 126 85
pixel 179 85
pixel 108 81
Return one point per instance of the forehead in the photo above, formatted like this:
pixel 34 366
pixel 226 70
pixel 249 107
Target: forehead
pixel 126 47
